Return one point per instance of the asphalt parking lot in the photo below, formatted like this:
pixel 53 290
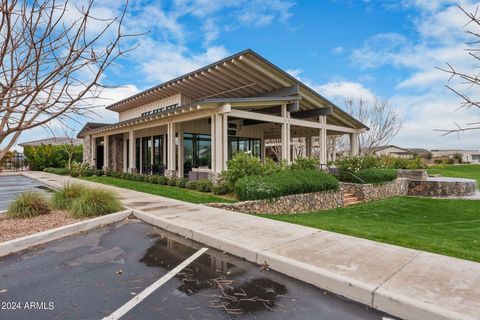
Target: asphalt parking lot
pixel 92 275
pixel 12 186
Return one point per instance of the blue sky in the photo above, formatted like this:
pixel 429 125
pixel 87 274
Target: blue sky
pixel 341 48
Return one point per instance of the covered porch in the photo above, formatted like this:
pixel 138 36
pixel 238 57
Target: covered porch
pixel 195 141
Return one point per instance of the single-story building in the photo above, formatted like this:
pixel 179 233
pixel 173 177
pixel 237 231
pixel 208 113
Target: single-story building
pixel 55 141
pixel 392 151
pixel 457 155
pixel 191 126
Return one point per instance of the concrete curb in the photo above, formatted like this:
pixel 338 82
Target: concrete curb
pixel 42 181
pixel 22 243
pixel 349 288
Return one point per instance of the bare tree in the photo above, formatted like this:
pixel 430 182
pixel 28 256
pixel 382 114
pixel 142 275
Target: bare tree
pixel 71 144
pixel 51 62
pixel 470 79
pixel 383 119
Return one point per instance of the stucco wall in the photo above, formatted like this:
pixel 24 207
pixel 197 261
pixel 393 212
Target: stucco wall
pixel 297 203
pixel 371 192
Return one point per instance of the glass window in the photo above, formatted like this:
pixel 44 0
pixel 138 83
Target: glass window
pixel 197 151
pixel 146 154
pixel 138 146
pixel 158 150
pixel 239 144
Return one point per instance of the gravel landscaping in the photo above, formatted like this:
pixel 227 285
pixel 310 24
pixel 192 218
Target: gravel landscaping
pixel 16 228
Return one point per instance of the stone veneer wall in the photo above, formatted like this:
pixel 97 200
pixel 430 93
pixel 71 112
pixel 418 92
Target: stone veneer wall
pixel 371 192
pixel 115 162
pixel 297 203
pixel 87 150
pixel 434 188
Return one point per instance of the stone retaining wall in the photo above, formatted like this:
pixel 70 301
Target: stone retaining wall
pixel 371 192
pixel 297 203
pixel 442 188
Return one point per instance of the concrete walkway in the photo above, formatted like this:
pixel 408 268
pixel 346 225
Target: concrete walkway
pixel 407 283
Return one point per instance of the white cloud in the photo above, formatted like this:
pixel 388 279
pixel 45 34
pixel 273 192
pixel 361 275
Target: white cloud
pixel 339 91
pixel 161 62
pixel 427 104
pixel 338 50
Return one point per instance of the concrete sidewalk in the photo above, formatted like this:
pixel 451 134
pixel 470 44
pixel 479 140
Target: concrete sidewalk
pixel 407 283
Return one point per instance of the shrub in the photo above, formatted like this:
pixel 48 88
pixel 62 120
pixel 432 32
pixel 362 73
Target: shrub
pixel 162 180
pixel 182 182
pixel 99 173
pixel 284 183
pixel 59 171
pixel 28 205
pixel 62 199
pixel 88 172
pixel 354 164
pixel 222 188
pixel 172 182
pixel 53 156
pixel 192 185
pixel 240 166
pixel 153 179
pixel 110 173
pixel 305 164
pixel 401 163
pixel 137 177
pixel 374 175
pixel 204 185
pixel 95 202
pixel 244 165
pixel 74 173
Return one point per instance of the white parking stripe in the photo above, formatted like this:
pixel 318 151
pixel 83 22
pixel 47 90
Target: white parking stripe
pixel 6 201
pixel 157 284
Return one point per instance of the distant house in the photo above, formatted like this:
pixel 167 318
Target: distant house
pixel 392 151
pixel 466 156
pixel 51 141
pixel 420 152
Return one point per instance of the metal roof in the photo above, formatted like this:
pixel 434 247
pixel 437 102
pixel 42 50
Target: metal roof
pixel 242 75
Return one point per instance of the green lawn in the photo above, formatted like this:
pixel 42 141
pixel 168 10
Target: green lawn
pixel 449 227
pixel 160 190
pixel 470 171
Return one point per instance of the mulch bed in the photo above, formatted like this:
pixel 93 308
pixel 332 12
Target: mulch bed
pixel 16 228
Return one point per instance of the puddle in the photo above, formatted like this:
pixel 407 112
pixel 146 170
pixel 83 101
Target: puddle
pixel 45 188
pixel 216 272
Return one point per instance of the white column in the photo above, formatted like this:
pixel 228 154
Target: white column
pixel 322 144
pixel 171 165
pixel 218 137
pixel 132 152
pixel 285 139
pixel 106 152
pixel 213 145
pixel 180 150
pixel 354 145
pixel 308 146
pixel 224 141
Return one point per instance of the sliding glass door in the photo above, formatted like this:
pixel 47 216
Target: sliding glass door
pixel 197 151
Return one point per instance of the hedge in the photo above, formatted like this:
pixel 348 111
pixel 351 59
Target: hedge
pixel 284 183
pixel 374 175
pixel 59 171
